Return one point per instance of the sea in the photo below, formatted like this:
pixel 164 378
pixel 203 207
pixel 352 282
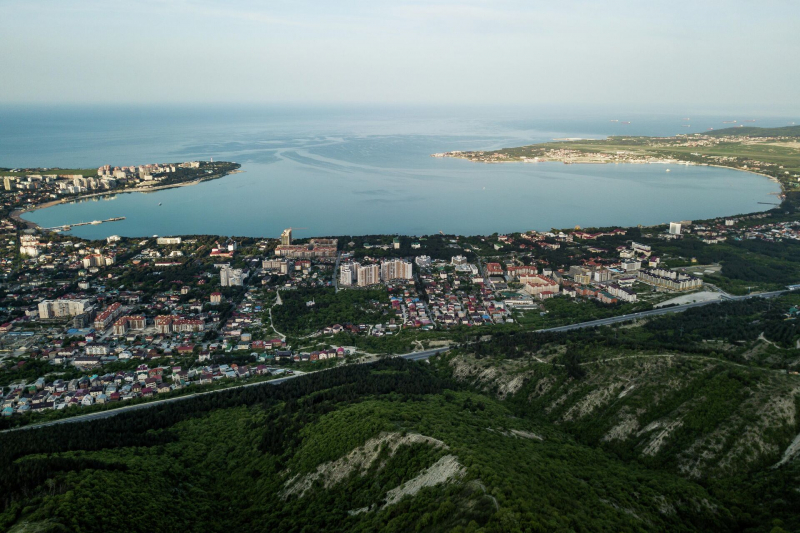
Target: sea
pixel 364 170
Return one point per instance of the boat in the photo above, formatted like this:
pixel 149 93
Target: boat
pixel 625 122
pixel 748 121
pixel 667 170
pixel 729 122
pixel 687 119
pixel 159 203
pixel 614 120
pixel 686 125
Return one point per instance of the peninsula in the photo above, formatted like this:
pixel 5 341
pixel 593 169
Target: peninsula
pixel 772 152
pixel 28 189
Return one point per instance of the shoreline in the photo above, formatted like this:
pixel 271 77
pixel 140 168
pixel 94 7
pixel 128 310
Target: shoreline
pixel 16 214
pixel 654 162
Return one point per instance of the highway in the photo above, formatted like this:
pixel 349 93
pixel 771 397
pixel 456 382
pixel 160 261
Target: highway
pixel 129 408
pixel 654 312
pixel 412 356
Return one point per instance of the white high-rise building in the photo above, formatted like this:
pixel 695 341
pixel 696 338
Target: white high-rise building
pixel 674 228
pixel 395 269
pixel 368 275
pixel 347 274
pixel 286 237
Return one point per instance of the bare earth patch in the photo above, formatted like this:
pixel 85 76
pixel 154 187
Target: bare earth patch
pixel 442 471
pixel 358 460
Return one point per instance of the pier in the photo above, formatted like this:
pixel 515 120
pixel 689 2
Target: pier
pixel 67 227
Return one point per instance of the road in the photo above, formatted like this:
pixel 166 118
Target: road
pixel 413 356
pixel 336 272
pixel 278 301
pixel 129 408
pixel 654 312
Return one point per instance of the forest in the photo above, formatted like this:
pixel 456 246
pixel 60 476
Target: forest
pixel 227 462
pixel 337 450
pixel 297 317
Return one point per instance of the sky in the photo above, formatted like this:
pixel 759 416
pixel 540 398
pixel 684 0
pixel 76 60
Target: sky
pixel 571 52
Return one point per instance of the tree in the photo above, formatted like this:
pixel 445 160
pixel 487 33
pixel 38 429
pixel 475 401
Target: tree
pixel 572 363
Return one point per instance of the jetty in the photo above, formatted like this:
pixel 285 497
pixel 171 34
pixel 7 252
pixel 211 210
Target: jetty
pixel 67 227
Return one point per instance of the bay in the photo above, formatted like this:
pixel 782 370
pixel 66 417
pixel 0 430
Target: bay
pixel 354 171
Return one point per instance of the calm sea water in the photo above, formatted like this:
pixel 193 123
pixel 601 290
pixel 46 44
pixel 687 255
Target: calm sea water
pixel 368 170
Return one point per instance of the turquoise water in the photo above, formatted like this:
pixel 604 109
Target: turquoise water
pixel 351 171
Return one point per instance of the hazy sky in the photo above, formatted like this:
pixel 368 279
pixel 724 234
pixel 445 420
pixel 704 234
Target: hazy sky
pixel 724 53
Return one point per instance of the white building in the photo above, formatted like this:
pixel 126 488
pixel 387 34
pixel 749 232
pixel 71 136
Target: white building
pixel 631 266
pixel 168 240
pixel 674 228
pixel 347 274
pixel 423 261
pixel 231 277
pixel 62 307
pixel 30 246
pixel 286 237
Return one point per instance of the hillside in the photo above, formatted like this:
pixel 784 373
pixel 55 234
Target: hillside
pixel 703 394
pixel 752 131
pixel 699 417
pixel 389 447
pixel 686 422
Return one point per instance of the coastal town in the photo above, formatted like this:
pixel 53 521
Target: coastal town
pixel 89 323
pixel 94 323
pixel 25 189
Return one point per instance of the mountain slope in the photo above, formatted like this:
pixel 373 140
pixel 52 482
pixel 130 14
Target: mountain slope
pixel 388 447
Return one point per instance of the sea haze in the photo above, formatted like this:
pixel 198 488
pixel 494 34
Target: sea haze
pixel 349 171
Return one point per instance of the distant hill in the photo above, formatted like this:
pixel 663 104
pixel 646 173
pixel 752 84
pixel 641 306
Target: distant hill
pixel 752 131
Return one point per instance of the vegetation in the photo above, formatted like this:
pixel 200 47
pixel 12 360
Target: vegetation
pixel 672 424
pixel 761 149
pixel 227 462
pixel 307 310
pixel 752 131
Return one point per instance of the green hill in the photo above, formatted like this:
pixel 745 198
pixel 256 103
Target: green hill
pixel 384 447
pixel 752 131
pixel 686 422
